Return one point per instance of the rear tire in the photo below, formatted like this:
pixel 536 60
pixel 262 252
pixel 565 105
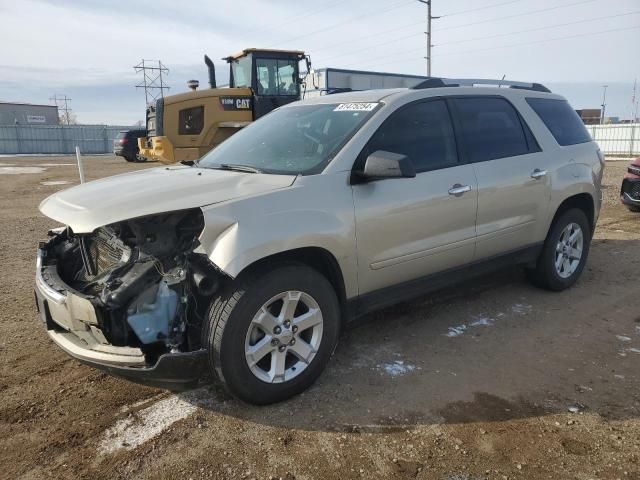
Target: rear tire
pixel 565 252
pixel 634 209
pixel 270 336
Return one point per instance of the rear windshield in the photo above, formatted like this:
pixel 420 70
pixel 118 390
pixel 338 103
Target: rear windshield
pixel 561 120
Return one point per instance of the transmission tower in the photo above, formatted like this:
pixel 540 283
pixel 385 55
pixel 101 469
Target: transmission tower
pixel 152 81
pixel 62 102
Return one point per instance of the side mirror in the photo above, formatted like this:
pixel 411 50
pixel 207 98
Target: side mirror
pixel 381 164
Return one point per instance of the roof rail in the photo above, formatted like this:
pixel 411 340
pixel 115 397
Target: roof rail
pixel 437 82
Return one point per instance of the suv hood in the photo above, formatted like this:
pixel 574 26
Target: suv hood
pixel 147 192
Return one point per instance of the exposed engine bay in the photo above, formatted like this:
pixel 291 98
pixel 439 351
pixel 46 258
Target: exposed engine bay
pixel 148 288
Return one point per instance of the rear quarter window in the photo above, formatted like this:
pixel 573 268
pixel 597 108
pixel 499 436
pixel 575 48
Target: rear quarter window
pixel 561 120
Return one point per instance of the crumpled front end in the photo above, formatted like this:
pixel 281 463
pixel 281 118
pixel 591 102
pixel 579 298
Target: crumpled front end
pixel 130 298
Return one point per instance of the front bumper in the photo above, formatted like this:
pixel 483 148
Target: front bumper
pixel 157 148
pixel 630 191
pixel 71 322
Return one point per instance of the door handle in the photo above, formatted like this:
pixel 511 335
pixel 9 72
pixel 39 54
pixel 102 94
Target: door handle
pixel 537 173
pixel 459 189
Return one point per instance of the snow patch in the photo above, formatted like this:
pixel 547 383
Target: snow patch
pixel 521 308
pixel 20 170
pixel 54 164
pixel 482 321
pixel 623 338
pixel 396 368
pixel 456 331
pixel 633 350
pixel 55 182
pixel 140 427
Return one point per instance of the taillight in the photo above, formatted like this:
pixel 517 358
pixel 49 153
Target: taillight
pixel 122 141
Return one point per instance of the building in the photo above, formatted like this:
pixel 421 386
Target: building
pixel 590 116
pixel 28 114
pixel 333 80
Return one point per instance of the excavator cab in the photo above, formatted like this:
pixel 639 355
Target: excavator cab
pixel 272 75
pixel 185 126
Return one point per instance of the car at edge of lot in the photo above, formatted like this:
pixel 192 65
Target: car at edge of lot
pixel 126 144
pixel 247 263
pixel 630 190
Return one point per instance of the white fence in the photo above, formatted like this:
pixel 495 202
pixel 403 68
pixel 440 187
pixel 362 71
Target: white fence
pixel 617 140
pixel 16 139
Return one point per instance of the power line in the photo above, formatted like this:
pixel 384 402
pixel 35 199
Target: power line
pixel 557 7
pixel 297 17
pixel 359 17
pixel 586 34
pixel 513 33
pixel 342 43
pixel 461 12
pixel 398 39
pixel 538 28
pixel 504 46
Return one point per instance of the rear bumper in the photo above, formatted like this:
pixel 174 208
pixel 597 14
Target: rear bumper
pixel 70 320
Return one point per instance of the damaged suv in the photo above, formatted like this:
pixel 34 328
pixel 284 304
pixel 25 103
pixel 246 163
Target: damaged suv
pixel 245 264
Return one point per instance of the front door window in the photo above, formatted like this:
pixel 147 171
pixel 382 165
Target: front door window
pixel 276 77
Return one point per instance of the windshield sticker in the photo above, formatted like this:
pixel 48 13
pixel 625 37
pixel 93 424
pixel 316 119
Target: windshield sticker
pixel 355 107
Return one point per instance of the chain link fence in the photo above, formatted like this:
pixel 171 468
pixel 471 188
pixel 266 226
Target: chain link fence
pixel 620 140
pixel 58 139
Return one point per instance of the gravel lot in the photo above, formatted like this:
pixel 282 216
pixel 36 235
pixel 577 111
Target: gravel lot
pixel 473 382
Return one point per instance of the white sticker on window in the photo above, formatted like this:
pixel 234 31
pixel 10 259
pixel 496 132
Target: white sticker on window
pixel 355 107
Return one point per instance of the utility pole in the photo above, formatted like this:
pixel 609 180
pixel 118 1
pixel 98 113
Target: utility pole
pixel 62 102
pixel 428 34
pixel 152 80
pixel 604 103
pixel 634 103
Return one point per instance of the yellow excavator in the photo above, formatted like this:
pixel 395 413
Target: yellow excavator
pixel 185 126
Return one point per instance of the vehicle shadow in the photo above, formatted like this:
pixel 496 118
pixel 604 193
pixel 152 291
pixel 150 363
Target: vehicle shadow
pixel 492 349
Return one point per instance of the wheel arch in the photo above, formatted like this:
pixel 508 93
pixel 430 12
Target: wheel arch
pixel 583 201
pixel 318 258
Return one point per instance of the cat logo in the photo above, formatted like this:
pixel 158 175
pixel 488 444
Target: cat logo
pixel 243 103
pixel 236 103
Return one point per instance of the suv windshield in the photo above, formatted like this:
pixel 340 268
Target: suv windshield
pixel 293 140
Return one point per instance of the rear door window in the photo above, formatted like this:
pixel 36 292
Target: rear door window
pixel 490 128
pixel 276 77
pixel 561 120
pixel 422 131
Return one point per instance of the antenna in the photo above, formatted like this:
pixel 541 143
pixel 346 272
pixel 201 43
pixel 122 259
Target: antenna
pixel 62 102
pixel 152 80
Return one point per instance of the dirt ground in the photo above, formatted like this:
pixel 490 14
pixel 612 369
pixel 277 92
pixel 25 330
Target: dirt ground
pixel 474 382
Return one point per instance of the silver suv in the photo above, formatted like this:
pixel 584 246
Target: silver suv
pixel 247 263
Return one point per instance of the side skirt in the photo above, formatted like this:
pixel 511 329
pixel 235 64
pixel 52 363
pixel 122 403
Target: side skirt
pixel 385 297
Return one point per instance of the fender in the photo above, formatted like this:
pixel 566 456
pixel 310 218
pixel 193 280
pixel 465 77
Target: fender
pixel 317 211
pixel 570 180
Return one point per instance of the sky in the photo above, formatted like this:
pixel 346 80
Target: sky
pixel 87 49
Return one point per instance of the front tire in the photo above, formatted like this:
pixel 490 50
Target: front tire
pixel 564 253
pixel 270 336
